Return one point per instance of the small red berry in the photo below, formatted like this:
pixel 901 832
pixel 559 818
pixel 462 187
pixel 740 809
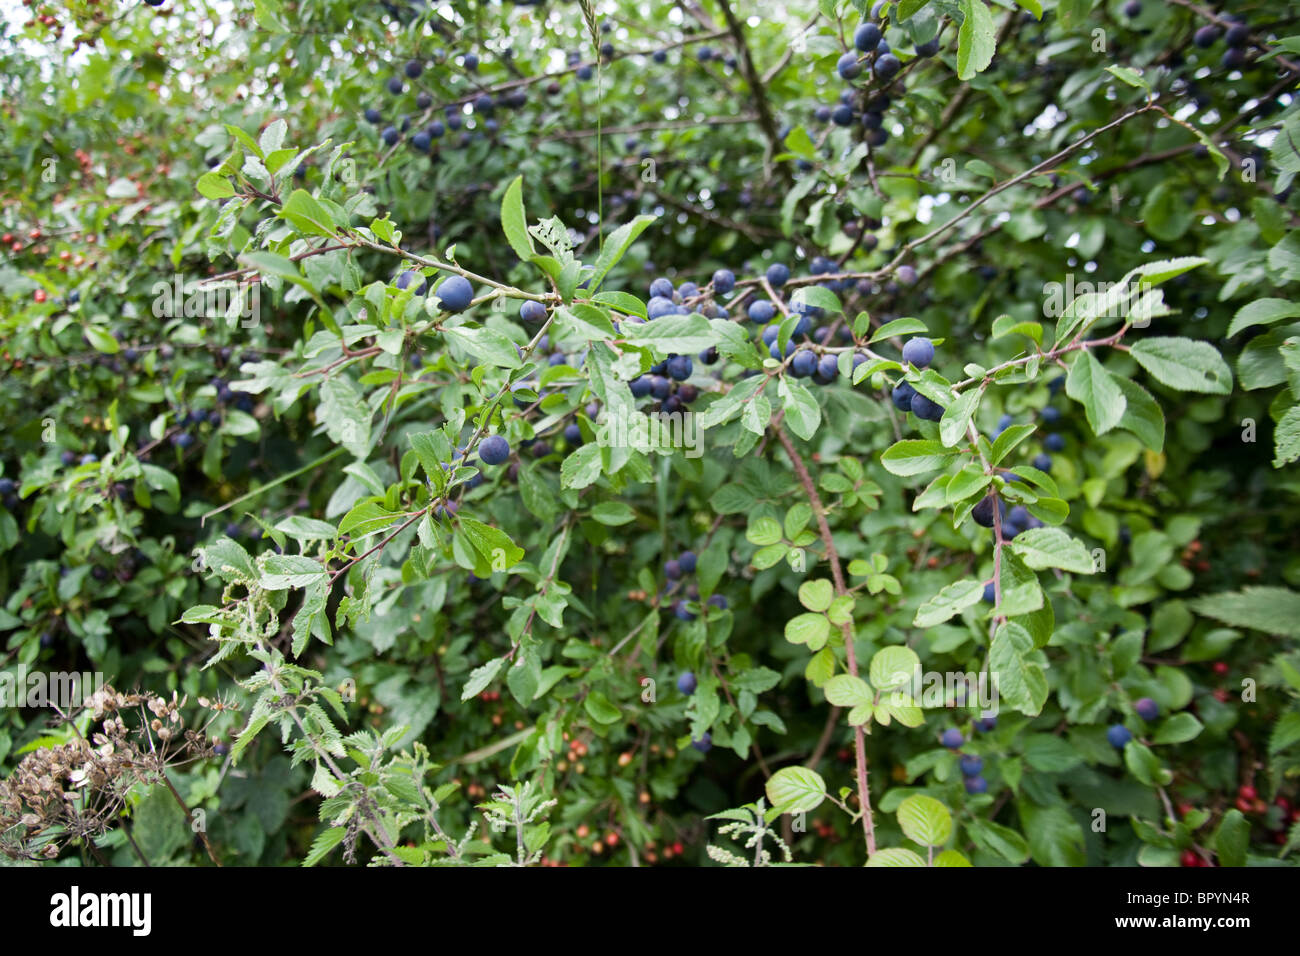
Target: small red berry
pixel 1244 805
pixel 1220 667
pixel 1189 858
pixel 1247 791
pixel 39 295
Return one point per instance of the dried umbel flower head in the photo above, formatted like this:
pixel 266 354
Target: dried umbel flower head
pixel 76 791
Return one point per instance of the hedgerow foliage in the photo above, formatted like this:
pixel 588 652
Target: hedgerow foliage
pixel 619 433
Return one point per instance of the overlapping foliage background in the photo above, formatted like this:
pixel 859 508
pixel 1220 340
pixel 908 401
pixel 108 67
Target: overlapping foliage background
pixel 285 520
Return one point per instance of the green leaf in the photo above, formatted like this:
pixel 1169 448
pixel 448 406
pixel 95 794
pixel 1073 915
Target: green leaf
pixel 613 513
pixel 1131 77
pixel 976 40
pixel 845 690
pixel 1286 437
pixel 810 629
pixel 367 518
pixel 914 456
pixel 491 346
pixel 1092 386
pixel 894 668
pixel 1262 312
pixel 214 186
pixel 616 246
pixel 324 842
pixel 1232 838
pixel 1184 364
pixel 481 677
pixel 280 572
pixel 307 215
pixel 816 595
pixel 795 790
pixel 896 856
pixel 1272 610
pixel 996 838
pixel 952 427
pixel 1285 732
pixel 802 413
pixel 681 334
pixel 906 326
pixel 600 709
pixel 1021 684
pixel 764 531
pixel 1052 548
pixel 1166 214
pixel 818 297
pixel 513 221
pixel 100 340
pixel 925 820
pixel 948 602
pixel 495 545
pixel 1179 728
pixel 1142 414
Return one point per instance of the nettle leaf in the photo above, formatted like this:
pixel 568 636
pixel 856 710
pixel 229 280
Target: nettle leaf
pixel 229 560
pixel 1269 609
pixel 795 790
pixel 1184 364
pixel 1052 548
pixel 925 820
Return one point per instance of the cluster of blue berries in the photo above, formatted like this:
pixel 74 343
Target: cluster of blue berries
pixel 972 766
